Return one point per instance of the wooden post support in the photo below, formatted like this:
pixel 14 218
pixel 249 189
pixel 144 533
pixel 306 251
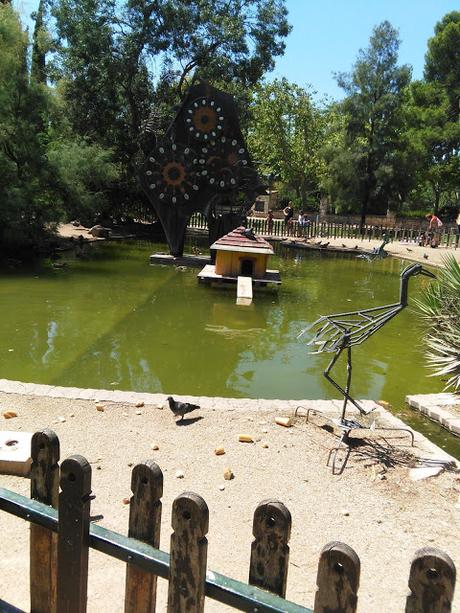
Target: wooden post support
pixel 73 537
pixel 337 580
pixel 44 487
pixel 189 548
pixel 144 525
pixel 431 582
pixel 269 564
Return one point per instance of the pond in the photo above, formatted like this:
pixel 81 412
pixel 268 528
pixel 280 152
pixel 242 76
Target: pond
pixel 113 321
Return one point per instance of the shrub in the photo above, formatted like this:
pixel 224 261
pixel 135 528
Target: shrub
pixel 440 309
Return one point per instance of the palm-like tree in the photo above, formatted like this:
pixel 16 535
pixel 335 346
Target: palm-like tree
pixel 440 309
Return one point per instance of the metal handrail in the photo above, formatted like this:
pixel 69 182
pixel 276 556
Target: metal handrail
pixel 218 587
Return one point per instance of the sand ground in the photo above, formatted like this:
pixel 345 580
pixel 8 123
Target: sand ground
pixel 404 250
pixel 374 508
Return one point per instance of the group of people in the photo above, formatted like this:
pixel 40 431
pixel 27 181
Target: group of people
pixel 288 212
pixel 430 238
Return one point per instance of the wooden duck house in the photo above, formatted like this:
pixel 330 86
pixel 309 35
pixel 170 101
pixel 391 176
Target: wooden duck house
pixel 241 257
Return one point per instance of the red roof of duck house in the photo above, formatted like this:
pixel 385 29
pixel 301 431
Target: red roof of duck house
pixel 236 240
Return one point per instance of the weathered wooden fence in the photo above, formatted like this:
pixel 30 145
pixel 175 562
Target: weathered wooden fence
pixel 320 229
pixel 62 534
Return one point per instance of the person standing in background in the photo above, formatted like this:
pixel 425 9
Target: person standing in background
pixel 270 221
pixel 434 229
pixel 288 212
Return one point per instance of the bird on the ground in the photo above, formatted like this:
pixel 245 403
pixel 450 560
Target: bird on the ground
pixel 324 245
pixel 407 249
pixel 356 247
pixel 425 255
pixel 318 243
pixel 181 408
pixel 343 245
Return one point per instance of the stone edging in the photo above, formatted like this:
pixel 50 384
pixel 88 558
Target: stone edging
pixel 328 407
pixel 434 407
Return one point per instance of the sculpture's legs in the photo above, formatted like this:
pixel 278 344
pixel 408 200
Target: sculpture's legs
pixel 347 388
pixel 345 392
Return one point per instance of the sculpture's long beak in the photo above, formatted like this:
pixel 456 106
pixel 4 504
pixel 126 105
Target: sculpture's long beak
pixel 427 273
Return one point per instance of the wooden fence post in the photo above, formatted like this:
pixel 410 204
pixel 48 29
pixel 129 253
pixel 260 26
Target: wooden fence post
pixel 337 580
pixel 144 525
pixel 73 537
pixel 269 564
pixel 44 487
pixel 189 548
pixel 431 582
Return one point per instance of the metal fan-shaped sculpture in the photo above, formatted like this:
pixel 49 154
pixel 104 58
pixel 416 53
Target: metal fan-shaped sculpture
pixel 340 331
pixel 199 164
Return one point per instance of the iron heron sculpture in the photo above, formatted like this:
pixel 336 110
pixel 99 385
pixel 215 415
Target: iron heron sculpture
pixel 340 331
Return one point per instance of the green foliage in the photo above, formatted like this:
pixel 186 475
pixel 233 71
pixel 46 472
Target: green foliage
pixel 85 174
pixel 286 134
pixel 26 203
pixel 366 170
pixel 108 50
pixel 440 310
pixel 434 138
pixel 442 61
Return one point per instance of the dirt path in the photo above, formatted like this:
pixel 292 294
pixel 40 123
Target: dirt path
pixel 407 251
pixel 377 510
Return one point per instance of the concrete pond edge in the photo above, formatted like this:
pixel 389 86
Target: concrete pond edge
pixel 285 407
pixel 438 408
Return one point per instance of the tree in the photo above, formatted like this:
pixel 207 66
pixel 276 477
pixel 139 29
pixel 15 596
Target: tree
pixel 40 45
pixel 285 134
pixel 442 60
pixel 26 178
pixel 85 176
pixel 438 106
pixel 434 138
pixel 109 52
pixel 365 170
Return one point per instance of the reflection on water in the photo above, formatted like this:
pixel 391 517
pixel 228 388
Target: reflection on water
pixel 115 320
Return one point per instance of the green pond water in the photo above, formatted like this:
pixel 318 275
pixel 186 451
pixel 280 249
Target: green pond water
pixel 113 321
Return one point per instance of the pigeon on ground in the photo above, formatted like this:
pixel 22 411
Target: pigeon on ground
pixel 425 256
pixel 343 245
pixel 181 408
pixel 325 244
pixel 407 249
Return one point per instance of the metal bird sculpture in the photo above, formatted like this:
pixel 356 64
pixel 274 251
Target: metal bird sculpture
pixel 344 330
pixel 181 408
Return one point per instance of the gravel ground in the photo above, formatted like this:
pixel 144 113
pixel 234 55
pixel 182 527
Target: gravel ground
pixel 376 509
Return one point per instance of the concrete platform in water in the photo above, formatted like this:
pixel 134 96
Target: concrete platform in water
pixel 184 260
pixel 209 275
pixel 294 244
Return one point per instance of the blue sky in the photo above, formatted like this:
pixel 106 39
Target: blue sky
pixel 327 35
